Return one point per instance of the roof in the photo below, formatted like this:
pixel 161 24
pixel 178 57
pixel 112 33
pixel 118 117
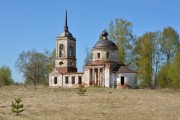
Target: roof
pixel 105 43
pixel 121 68
pixel 66 34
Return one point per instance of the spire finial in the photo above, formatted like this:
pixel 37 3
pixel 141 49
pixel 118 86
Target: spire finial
pixel 66 23
pixel 104 35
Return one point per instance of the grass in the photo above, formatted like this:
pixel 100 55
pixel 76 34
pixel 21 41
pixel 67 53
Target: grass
pixel 97 103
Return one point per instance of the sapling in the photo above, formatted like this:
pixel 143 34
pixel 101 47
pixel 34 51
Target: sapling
pixel 17 106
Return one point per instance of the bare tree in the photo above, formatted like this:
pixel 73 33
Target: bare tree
pixel 35 66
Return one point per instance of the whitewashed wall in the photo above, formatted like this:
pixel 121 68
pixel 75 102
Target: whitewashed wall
pixel 61 79
pixel 107 77
pixel 86 76
pixel 112 55
pixel 129 79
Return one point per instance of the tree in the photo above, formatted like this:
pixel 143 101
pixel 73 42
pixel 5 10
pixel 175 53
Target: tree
pixel 156 55
pixel 88 59
pixel 174 72
pixel 5 76
pixel 35 66
pixel 17 107
pixel 120 32
pixel 169 43
pixel 144 58
pixel 169 75
pixel 169 47
pixel 163 78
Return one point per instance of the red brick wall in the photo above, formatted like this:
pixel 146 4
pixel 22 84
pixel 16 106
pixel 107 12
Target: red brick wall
pixel 66 69
pixel 102 61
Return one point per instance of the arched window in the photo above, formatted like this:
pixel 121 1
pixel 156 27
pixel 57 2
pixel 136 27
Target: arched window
pixel 70 51
pixel 61 50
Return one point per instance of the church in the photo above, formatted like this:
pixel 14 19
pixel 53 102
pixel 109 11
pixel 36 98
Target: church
pixel 104 71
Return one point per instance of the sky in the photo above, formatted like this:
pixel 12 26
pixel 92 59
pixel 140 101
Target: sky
pixel 35 24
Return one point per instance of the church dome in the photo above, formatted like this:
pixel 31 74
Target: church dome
pixel 105 43
pixel 105 51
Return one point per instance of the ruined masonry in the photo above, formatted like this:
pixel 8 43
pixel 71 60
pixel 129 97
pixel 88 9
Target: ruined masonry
pixel 103 71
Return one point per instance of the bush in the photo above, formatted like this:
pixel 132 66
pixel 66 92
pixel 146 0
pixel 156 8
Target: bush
pixel 81 89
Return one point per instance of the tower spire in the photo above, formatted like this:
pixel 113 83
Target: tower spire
pixel 66 23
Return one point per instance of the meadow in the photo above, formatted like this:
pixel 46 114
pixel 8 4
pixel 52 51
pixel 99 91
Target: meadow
pixel 97 104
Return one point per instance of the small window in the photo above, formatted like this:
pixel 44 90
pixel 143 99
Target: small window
pixel 66 80
pixel 107 55
pixel 73 80
pixel 98 55
pixel 79 80
pixel 55 80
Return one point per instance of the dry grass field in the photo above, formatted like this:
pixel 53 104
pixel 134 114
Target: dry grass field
pixel 96 104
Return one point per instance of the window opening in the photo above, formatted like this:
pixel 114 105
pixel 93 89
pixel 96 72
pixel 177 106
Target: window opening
pixel 66 80
pixel 98 55
pixel 55 80
pixel 107 55
pixel 61 50
pixel 73 80
pixel 79 80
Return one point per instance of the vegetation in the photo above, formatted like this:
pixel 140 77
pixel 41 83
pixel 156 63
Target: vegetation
pixel 17 107
pixel 5 76
pixel 99 103
pixel 169 75
pixel 154 55
pixel 120 32
pixel 144 50
pixel 35 66
pixel 81 89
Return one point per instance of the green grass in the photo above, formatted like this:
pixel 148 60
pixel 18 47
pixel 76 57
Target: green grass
pixel 97 103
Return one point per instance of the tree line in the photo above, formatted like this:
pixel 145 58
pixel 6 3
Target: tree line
pixel 34 65
pixel 154 55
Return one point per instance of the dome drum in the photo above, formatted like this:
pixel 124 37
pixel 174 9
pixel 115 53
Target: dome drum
pixel 105 51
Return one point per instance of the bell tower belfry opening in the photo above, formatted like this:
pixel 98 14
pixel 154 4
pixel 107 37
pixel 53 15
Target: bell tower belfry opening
pixel 65 61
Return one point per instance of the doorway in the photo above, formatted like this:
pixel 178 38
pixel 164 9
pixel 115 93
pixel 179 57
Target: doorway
pixel 122 80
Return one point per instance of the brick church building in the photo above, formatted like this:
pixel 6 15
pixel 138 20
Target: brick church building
pixel 103 71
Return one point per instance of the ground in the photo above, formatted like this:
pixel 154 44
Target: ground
pixel 97 103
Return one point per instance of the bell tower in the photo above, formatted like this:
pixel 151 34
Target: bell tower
pixel 65 61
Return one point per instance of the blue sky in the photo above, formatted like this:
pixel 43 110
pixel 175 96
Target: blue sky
pixel 34 24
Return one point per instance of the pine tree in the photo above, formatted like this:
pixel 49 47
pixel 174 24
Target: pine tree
pixel 17 107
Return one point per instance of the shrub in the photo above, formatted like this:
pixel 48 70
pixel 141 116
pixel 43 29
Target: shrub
pixel 81 89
